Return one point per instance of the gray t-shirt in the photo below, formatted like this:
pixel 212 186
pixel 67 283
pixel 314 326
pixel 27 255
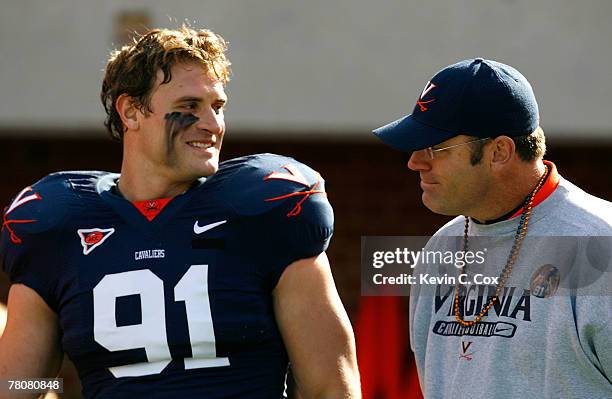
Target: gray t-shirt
pixel 531 344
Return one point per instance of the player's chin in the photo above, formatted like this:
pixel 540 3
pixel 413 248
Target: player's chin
pixel 202 165
pixel 208 168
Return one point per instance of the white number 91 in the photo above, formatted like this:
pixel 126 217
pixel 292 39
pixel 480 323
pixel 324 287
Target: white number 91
pixel 151 333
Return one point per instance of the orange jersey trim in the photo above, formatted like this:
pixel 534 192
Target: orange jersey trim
pixel 151 208
pixel 549 186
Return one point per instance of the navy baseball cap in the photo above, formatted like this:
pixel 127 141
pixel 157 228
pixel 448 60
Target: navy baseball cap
pixel 475 97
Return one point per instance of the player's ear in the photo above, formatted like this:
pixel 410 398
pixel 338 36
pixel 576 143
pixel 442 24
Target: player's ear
pixel 503 150
pixel 128 111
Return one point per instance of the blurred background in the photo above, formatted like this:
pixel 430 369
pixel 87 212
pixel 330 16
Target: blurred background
pixel 310 80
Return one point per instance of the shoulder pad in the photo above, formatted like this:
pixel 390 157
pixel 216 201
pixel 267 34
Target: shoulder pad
pixel 277 199
pixel 44 205
pixel 255 184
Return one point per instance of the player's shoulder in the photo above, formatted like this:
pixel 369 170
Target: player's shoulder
pixel 43 205
pixel 273 198
pixel 273 168
pixel 257 183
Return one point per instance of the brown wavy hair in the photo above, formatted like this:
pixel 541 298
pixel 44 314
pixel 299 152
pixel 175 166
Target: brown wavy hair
pixel 132 70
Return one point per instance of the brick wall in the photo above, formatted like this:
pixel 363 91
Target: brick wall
pixel 368 184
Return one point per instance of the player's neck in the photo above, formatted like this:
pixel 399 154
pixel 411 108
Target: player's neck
pixel 143 183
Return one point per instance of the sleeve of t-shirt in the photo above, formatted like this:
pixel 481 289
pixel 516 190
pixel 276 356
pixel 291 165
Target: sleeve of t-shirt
pixel 33 262
pixel 29 250
pixel 593 311
pixel 295 232
pixel 283 210
pixel 594 319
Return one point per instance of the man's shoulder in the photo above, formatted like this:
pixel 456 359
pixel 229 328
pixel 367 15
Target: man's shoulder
pixel 43 205
pixel 274 198
pixel 69 183
pixel 256 184
pixel 583 212
pixel 270 168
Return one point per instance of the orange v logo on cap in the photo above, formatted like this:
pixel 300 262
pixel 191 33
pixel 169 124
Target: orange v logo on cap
pixel 428 87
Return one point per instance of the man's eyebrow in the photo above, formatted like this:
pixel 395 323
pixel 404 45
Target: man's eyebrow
pixel 188 99
pixel 198 99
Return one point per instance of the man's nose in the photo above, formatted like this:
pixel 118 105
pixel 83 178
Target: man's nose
pixel 210 121
pixel 419 161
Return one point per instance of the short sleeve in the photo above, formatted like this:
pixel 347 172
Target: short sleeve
pixel 283 210
pixel 291 232
pixel 29 249
pixel 309 232
pixel 32 261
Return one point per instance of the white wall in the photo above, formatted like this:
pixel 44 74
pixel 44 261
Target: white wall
pixel 336 65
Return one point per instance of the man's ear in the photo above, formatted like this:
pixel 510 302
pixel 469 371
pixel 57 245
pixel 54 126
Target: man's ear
pixel 503 151
pixel 128 111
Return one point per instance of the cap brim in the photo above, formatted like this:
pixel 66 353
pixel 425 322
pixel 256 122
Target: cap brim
pixel 407 134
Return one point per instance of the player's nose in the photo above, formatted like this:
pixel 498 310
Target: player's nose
pixel 211 121
pixel 419 161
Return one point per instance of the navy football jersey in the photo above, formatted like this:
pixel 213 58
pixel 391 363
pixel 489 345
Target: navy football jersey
pixel 179 306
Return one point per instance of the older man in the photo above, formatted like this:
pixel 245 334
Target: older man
pixel 477 145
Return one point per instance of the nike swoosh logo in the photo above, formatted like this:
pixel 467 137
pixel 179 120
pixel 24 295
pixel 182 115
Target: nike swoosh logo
pixel 201 229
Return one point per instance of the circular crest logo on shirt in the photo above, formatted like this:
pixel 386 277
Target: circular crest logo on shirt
pixel 545 281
